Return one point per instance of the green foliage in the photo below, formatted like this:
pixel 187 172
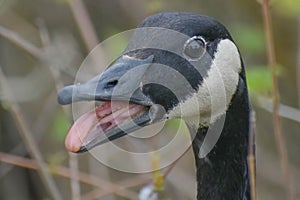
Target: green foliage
pixel 154 6
pixel 60 126
pixel 289 8
pixel 259 81
pixel 249 38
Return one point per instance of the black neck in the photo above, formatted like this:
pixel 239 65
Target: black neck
pixel 223 173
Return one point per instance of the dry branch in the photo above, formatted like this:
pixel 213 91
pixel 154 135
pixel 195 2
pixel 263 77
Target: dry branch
pixel 88 33
pixel 36 52
pixel 298 62
pixel 40 54
pixel 29 141
pixel 73 159
pixel 285 111
pixel 20 42
pixel 280 140
pixel 39 126
pixel 83 177
pixel 251 155
pixel 84 23
pixel 75 186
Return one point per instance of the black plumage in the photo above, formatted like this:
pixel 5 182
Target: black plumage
pixel 223 173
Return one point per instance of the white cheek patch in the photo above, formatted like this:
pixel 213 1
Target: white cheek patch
pixel 215 93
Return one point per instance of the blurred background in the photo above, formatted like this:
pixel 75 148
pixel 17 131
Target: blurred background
pixel 44 42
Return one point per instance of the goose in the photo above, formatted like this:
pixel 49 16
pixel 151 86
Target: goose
pixel 176 65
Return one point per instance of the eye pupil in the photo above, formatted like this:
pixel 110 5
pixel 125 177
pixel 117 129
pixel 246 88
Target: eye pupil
pixel 194 48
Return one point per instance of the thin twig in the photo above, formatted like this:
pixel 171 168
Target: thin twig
pixel 45 38
pixel 88 33
pixel 251 156
pixel 84 23
pixel 19 41
pixel 106 186
pixel 29 141
pixel 298 62
pixel 133 182
pixel 73 159
pixel 39 126
pixel 285 111
pixel 28 47
pixel 75 186
pixel 128 183
pixel 97 194
pixel 269 166
pixel 94 194
pixel 280 140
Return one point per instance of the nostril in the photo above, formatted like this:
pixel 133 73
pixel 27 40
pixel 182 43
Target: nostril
pixel 111 83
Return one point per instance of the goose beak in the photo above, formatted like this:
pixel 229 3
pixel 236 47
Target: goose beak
pixel 125 108
pixel 121 81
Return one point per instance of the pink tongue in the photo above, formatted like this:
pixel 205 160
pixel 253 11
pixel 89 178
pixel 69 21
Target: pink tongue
pixel 79 130
pixel 102 115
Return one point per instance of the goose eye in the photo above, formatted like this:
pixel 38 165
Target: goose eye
pixel 194 48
